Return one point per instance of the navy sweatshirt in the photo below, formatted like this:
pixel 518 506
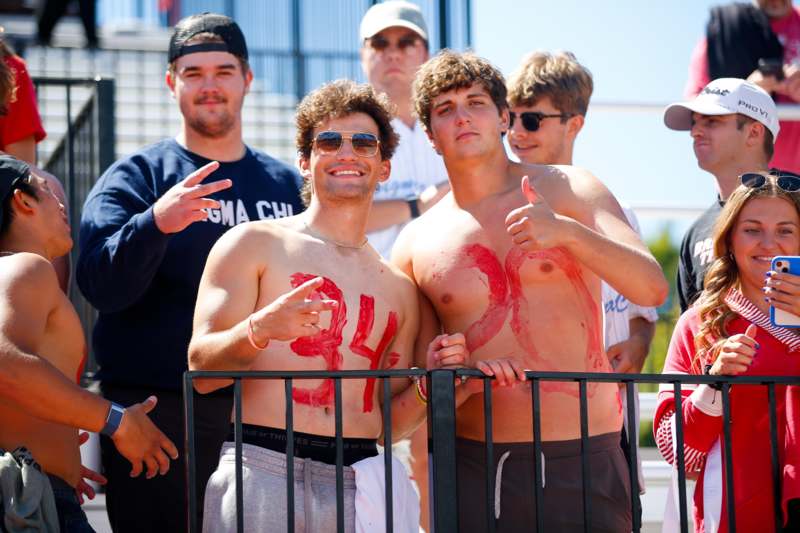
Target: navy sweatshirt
pixel 143 282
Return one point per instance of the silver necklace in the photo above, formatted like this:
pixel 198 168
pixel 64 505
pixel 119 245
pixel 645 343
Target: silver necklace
pixel 334 242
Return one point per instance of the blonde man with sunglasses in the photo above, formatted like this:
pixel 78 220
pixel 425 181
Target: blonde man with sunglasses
pixel 310 293
pixel 549 96
pixel 733 124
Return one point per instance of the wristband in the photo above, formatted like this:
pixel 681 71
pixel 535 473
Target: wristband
pixel 251 335
pixel 113 420
pixel 413 206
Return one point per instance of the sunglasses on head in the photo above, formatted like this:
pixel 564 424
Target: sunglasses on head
pixel 330 142
pixel 532 119
pixel 786 181
pixel 379 44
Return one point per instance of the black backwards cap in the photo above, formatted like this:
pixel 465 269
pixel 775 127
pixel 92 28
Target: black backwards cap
pixel 220 25
pixel 11 170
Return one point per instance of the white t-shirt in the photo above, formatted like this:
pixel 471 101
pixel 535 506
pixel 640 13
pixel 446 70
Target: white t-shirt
pixel 618 312
pixel 415 167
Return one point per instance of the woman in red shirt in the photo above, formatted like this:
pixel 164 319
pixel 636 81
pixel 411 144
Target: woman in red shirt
pixel 728 332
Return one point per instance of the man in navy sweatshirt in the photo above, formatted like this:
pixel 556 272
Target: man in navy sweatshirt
pixel 147 227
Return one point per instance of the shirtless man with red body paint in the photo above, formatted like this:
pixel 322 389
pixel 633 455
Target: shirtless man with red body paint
pixel 513 258
pixel 309 293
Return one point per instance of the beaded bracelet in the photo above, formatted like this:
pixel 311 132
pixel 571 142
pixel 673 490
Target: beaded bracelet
pixel 422 394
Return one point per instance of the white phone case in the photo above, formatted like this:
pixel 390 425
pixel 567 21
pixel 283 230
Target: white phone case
pixel 779 317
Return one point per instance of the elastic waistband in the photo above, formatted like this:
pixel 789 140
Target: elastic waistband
pixel 550 449
pixel 319 448
pixel 272 462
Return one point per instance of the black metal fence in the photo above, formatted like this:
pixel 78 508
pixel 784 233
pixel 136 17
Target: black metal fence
pixel 78 158
pixel 442 438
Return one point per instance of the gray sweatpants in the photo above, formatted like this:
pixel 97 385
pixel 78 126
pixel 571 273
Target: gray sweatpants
pixel 264 491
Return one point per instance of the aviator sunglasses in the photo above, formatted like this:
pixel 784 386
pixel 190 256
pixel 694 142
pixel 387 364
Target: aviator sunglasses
pixel 786 181
pixel 532 119
pixel 330 142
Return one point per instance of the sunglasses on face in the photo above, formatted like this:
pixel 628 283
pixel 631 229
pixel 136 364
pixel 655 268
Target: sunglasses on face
pixel 532 119
pixel 786 181
pixel 330 142
pixel 379 44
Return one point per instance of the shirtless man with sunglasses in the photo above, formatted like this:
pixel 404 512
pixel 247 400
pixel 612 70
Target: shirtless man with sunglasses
pixel 310 293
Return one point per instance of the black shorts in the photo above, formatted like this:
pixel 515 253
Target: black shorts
pixel 514 498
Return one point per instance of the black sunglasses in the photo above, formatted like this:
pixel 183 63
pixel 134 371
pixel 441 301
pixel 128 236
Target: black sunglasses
pixel 330 142
pixel 786 181
pixel 379 44
pixel 532 119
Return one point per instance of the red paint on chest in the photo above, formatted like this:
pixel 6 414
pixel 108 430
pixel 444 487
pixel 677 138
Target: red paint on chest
pixel 326 343
pixel 366 320
pixel 491 322
pixel 506 294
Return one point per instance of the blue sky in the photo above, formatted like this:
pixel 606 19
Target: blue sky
pixel 638 52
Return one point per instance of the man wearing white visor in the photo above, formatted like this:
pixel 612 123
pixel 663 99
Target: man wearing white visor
pixel 733 124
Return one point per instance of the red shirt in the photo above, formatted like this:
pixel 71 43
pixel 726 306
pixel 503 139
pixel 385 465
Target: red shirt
pixel 749 426
pixel 787 145
pixel 22 119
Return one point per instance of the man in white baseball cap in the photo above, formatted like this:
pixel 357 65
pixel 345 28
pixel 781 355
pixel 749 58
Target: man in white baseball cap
pixel 394 44
pixel 733 124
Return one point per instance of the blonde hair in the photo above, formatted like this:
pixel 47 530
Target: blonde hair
pixel 558 76
pixel 8 86
pixel 723 274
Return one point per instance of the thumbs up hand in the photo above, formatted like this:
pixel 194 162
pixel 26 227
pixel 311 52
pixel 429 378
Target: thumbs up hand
pixel 736 353
pixel 535 226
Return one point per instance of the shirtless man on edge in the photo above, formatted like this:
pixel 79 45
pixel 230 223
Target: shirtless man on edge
pixel 309 293
pixel 513 258
pixel 39 330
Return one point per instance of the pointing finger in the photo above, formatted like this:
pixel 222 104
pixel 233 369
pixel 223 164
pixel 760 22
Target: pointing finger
pixel 751 331
pixel 200 174
pixel 315 306
pixel 528 190
pixel 301 292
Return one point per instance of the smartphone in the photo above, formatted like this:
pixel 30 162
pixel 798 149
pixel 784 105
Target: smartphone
pixel 789 264
pixel 771 67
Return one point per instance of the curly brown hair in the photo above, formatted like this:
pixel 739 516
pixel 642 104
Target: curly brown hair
pixel 723 274
pixel 558 76
pixel 338 99
pixel 449 70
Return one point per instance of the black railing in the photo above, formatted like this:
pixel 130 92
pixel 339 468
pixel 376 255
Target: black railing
pixel 78 158
pixel 442 438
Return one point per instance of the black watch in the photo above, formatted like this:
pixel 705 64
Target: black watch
pixel 413 206
pixel 707 372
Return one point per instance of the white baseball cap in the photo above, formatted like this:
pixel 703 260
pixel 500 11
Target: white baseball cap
pixel 392 13
pixel 725 96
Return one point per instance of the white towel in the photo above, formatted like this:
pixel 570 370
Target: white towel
pixel 25 494
pixel 371 499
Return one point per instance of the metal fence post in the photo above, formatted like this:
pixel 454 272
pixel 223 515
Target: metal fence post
pixel 442 447
pixel 106 124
